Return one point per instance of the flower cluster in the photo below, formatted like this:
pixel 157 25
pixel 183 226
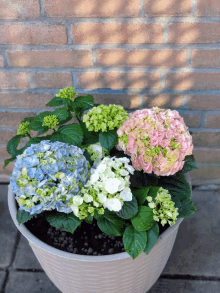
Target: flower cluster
pixel 50 121
pixel 163 207
pixel 97 152
pixel 23 128
pixel 104 118
pixel 48 176
pixel 157 140
pixel 111 180
pixel 67 93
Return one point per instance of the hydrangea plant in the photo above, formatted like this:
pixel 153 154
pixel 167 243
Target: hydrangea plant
pixel 157 140
pixel 48 175
pixel 81 171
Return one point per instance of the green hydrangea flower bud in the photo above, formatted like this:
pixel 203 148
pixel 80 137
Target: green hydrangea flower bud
pixel 163 207
pixel 50 121
pixel 23 128
pixel 104 118
pixel 67 93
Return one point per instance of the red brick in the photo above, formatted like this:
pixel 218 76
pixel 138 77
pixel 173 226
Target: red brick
pixel 191 120
pixel 95 8
pixel 204 102
pixel 205 173
pixel 13 119
pixel 15 9
pixel 193 80
pixel 6 135
pixel 117 33
pixel 126 101
pixel 117 80
pixel 206 155
pixel 50 58
pixel 212 121
pixel 163 101
pixel 206 58
pixel 204 138
pixel 8 170
pixel 14 80
pixel 3 152
pixel 167 7
pixel 24 100
pixel 142 58
pixel 208 8
pixel 194 33
pixel 33 34
pixel 52 80
pixel 1 60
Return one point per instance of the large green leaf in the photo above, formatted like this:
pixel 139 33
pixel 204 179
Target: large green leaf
pixel 111 224
pixel 134 241
pixel 108 139
pixel 13 144
pixel 63 115
pixel 152 236
pixel 36 124
pixel 23 216
pixel 89 219
pixel 84 102
pixel 140 194
pixel 129 209
pixel 56 101
pixel 186 209
pixel 63 221
pixel 189 164
pixel 71 134
pixel 143 221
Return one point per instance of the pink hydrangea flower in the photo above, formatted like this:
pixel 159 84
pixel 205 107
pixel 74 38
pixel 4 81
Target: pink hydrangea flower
pixel 156 139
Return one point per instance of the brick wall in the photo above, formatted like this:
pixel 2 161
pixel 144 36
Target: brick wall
pixel 137 53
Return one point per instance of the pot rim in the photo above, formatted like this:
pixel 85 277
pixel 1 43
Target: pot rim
pixel 92 258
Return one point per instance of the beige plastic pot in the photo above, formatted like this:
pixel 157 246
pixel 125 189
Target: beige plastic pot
pixel 116 273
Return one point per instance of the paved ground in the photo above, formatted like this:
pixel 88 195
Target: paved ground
pixel 193 267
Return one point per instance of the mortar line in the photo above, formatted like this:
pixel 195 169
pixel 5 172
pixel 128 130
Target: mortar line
pixel 146 20
pixel 128 46
pixel 189 277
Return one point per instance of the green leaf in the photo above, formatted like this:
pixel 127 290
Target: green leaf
pixel 63 115
pixel 23 216
pixel 108 139
pixel 140 194
pixel 134 241
pixel 152 236
pixel 178 188
pixel 71 134
pixel 36 124
pixel 84 102
pixel 42 130
pixel 89 219
pixel 187 209
pixel 63 221
pixel 189 164
pixel 90 137
pixel 140 179
pixel 13 144
pixel 7 161
pixel 111 224
pixel 129 209
pixel 56 101
pixel 144 219
pixel 153 191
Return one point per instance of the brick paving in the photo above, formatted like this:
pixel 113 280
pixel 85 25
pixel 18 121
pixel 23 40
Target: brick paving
pixel 193 267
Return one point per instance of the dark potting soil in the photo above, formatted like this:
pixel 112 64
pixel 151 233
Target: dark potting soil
pixel 87 239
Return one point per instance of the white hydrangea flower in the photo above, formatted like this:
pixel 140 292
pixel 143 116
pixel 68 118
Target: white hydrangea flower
pixel 126 194
pixel 97 148
pixel 94 177
pixel 87 198
pixel 101 168
pixel 113 204
pixel 124 172
pixel 112 185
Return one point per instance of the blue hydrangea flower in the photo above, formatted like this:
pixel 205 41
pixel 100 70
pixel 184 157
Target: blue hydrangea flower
pixel 47 175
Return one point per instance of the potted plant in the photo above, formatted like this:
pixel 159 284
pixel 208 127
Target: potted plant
pixel 100 201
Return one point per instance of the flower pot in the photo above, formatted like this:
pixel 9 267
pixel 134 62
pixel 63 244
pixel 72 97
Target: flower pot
pixel 116 273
